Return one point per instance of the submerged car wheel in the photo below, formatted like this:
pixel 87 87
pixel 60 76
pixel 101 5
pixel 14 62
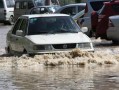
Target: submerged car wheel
pixel 29 54
pixel 9 51
pixel 115 41
pixel 11 20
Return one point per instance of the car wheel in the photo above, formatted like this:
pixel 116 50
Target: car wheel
pixel 6 23
pixel 29 54
pixel 9 51
pixel 11 20
pixel 115 41
pixel 89 33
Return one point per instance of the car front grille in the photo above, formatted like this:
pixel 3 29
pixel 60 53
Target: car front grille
pixel 64 46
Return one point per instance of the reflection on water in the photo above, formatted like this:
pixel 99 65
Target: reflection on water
pixel 69 77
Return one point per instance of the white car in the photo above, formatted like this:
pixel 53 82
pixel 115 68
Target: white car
pixel 7 11
pixel 46 33
pixel 113 30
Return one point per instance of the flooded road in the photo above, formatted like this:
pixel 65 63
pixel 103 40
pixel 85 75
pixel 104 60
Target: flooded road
pixel 59 78
pixel 63 71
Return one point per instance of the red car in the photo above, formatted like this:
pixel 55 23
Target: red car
pixel 100 21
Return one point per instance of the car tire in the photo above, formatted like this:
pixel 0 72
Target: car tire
pixel 11 20
pixel 9 51
pixel 6 23
pixel 29 54
pixel 115 41
pixel 89 33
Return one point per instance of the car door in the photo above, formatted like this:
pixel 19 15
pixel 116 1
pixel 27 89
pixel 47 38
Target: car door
pixel 21 39
pixel 70 10
pixel 13 37
pixel 80 8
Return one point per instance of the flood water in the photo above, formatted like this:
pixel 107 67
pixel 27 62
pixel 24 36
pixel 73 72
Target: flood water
pixel 62 72
pixel 59 78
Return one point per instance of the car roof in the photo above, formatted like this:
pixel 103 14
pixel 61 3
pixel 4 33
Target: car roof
pixel 74 4
pixel 42 15
pixel 48 6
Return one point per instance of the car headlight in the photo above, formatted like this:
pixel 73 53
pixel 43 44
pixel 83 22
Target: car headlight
pixel 84 45
pixel 42 47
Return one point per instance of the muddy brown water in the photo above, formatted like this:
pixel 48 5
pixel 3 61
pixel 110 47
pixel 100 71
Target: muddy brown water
pixel 63 71
pixel 74 70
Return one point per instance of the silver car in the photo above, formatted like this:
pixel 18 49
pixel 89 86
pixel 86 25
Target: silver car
pixel 71 9
pixel 46 33
pixel 113 29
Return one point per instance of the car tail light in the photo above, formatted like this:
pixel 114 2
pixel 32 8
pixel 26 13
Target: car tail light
pixel 101 17
pixel 4 12
pixel 110 24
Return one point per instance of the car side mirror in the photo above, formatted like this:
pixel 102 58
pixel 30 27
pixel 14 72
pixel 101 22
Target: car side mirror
pixel 84 29
pixel 19 32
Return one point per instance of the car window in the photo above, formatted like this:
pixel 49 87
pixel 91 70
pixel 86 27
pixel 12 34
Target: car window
pixel 30 5
pixel 40 10
pixel 16 26
pixel 46 25
pixel 43 10
pixel 23 5
pixel 1 4
pixel 115 7
pixel 69 10
pixel 80 8
pixel 10 3
pixel 35 11
pixel 17 5
pixel 97 5
pixel 23 26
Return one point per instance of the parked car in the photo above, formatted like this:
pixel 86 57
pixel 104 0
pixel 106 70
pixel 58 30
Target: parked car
pixel 46 33
pixel 71 9
pixel 85 20
pixel 109 9
pixel 44 9
pixel 24 6
pixel 113 29
pixel 7 11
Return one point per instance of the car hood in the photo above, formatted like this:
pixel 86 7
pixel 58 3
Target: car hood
pixel 59 38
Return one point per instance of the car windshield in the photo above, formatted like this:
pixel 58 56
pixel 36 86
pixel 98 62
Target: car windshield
pixel 97 5
pixel 10 3
pixel 51 25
